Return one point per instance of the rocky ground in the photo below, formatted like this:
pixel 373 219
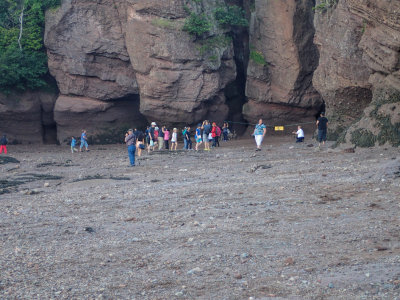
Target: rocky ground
pixel 288 222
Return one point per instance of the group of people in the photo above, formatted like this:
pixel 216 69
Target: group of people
pixel 207 133
pixel 84 142
pixel 322 125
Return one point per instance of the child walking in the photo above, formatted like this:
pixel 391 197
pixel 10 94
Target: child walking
pixel 73 144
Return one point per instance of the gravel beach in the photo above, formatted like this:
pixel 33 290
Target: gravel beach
pixel 287 222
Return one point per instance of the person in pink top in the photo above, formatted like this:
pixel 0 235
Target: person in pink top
pixel 166 137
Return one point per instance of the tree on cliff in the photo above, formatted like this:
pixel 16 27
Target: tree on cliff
pixel 23 60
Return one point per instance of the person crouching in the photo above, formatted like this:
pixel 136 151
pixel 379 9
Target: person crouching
pixel 300 134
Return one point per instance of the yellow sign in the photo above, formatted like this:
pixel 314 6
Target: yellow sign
pixel 279 128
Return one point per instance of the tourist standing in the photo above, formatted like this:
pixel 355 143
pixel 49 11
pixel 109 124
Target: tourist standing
pixel 3 144
pixel 140 143
pixel 214 134
pixel 161 138
pixel 188 139
pixel 84 142
pixel 206 131
pixel 184 138
pixel 166 137
pixel 259 133
pixel 322 124
pixel 197 136
pixel 151 136
pixel 130 140
pixel 174 139
pixel 225 131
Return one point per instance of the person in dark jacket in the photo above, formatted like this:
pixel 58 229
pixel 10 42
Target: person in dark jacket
pixel 322 124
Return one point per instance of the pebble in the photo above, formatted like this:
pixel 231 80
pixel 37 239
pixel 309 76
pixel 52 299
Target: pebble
pixel 244 255
pixel 195 271
pixel 289 261
pixel 46 184
pixel 330 285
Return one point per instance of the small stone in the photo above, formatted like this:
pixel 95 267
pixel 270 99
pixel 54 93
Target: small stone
pixel 195 271
pixel 46 184
pixel 330 285
pixel 89 229
pixel 244 255
pixel 367 275
pixel 289 261
pixel 377 190
pixel 237 276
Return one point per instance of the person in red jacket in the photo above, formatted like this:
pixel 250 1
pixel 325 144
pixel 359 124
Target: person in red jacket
pixel 214 134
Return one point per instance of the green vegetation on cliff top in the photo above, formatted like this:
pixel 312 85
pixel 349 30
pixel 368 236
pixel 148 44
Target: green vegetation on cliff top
pixel 23 60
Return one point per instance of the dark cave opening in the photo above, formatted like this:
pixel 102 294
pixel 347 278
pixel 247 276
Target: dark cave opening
pixel 235 92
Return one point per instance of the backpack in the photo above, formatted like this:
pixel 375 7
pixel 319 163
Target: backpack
pixel 218 131
pixel 184 132
pixel 3 141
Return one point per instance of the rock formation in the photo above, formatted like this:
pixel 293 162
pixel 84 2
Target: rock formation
pixel 359 44
pixel 121 64
pixel 28 117
pixel 178 84
pixel 282 61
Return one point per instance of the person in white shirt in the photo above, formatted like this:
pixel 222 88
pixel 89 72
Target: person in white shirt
pixel 300 134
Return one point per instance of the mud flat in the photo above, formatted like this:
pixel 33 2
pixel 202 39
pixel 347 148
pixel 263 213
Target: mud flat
pixel 288 222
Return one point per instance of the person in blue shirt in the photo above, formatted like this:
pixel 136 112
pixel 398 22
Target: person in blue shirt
pixel 259 132
pixel 73 144
pixel 84 141
pixel 198 137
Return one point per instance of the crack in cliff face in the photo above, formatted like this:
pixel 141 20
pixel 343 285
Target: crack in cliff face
pixel 235 92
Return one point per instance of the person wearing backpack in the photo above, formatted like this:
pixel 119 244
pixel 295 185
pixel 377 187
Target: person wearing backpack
pixel 3 144
pixel 214 134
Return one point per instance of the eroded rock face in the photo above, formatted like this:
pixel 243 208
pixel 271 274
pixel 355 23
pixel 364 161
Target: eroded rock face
pixel 359 42
pixel 105 122
pixel 86 49
pixel 107 50
pixel 342 75
pixel 177 82
pixel 27 117
pixel 282 61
